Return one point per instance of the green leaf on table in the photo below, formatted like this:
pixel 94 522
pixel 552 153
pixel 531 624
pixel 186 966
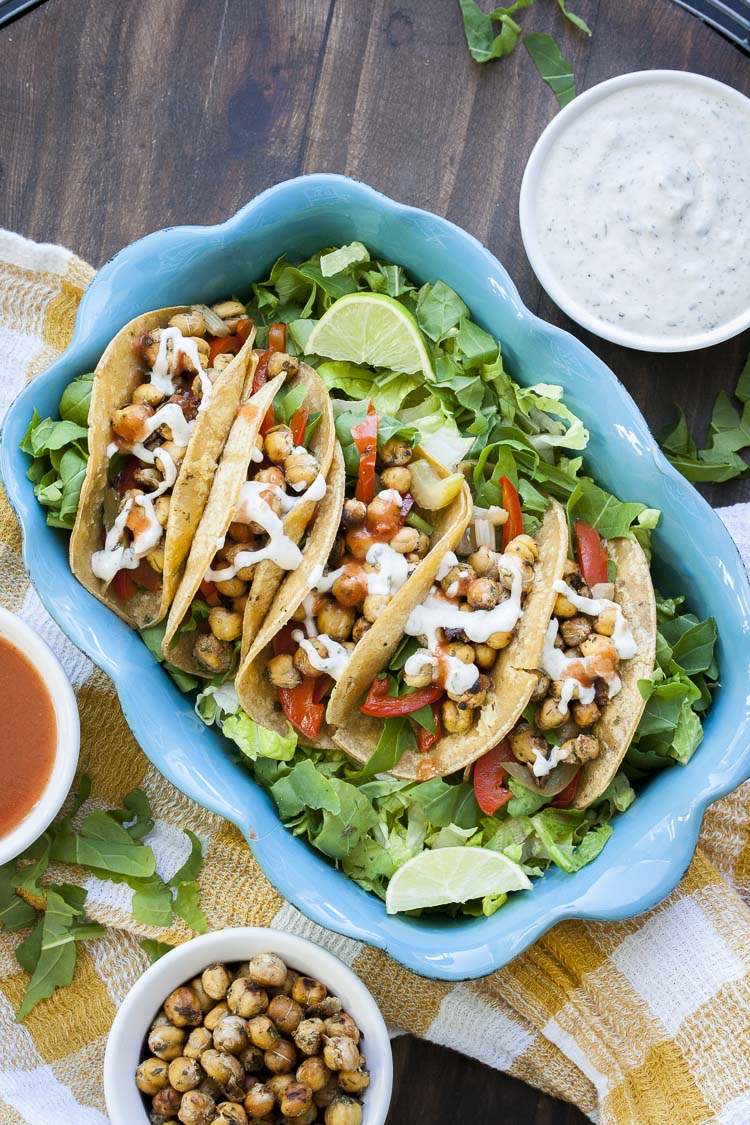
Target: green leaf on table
pixel 553 68
pixel 15 914
pixel 154 949
pixel 187 905
pixel 27 877
pixel 192 865
pixel 482 40
pixel 50 950
pixel 104 844
pixel 151 903
pixel 135 815
pixel 574 19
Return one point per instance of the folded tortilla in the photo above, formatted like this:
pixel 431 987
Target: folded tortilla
pixel 258 696
pixel 117 374
pixel 513 679
pixel 620 717
pixel 222 504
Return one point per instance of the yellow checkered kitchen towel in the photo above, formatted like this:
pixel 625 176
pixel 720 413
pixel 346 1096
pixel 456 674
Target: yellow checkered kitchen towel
pixel 644 1021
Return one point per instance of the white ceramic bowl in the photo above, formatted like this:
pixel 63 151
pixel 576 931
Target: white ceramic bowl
pixel 547 276
pixel 24 638
pixel 125 1046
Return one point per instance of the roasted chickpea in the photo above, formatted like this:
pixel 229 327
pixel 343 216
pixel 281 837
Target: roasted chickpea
pixel 149 394
pixel 165 1041
pixel 582 748
pixel 422 675
pixel 200 1039
pixel 361 626
pixel 262 1032
pixel 239 532
pixel 212 654
pixel 314 1073
pixel 302 661
pixel 130 421
pixel 230 1113
pixel 279 362
pixel 232 587
pixel 167 1102
pixel 604 624
pixel 161 509
pixel 461 651
pixel 354 1081
pixel 342 1024
pixel 373 606
pixel 549 716
pixel 285 1013
pixel 508 575
pixel 353 513
pixel 564 608
pixel 541 688
pixel 228 310
pixel 484 657
pixel 230 1034
pixel 524 547
pixel 246 998
pixel 350 588
pixel 585 714
pixel 575 630
pixel 484 562
pixel 483 593
pixel 281 671
pixel 595 644
pixel 344 1110
pixel 340 1053
pixel 308 992
pixel 260 1099
pixel 455 720
pixel 457 581
pixel 151 1076
pixel 325 1096
pixel 423 545
pixel 185 1074
pixel 251 1059
pixel 216 981
pixel 499 640
pixel 405 540
pixel 308 1035
pixel 474 697
pixel 300 470
pixel 295 1100
pixel 197 1108
pixel 225 1069
pixel 281 1057
pixel 217 1013
pixel 190 323
pixel 335 620
pixel 395 451
pixel 279 444
pixel 397 477
pixel 225 624
pixel 526 745
pixel 277 1083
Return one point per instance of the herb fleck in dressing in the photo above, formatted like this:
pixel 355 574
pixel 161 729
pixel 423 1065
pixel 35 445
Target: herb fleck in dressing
pixel 643 209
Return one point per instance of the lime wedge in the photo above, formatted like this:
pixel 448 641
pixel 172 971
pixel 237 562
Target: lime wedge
pixel 371 328
pixel 442 875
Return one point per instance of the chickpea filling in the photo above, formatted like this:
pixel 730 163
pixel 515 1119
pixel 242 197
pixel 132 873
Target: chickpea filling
pixel 282 474
pixel 586 640
pixel 374 553
pixel 150 435
pixel 253 1042
pixel 468 618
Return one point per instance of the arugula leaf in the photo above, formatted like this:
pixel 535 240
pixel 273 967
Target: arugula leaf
pixel 153 636
pixel 611 517
pixel 151 903
pixel 553 68
pixel 15 914
pixel 154 949
pixel 304 787
pixel 395 739
pixel 103 844
pixel 192 865
pixel 187 905
pixel 338 260
pixel 52 951
pixel 481 39
pixel 574 19
pixel 342 830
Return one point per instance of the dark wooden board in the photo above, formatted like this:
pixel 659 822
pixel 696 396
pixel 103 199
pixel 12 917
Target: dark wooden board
pixel 118 119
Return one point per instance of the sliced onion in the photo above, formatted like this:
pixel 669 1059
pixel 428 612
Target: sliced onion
pixel 604 590
pixel 467 546
pixel 484 533
pixel 214 323
pixel 554 782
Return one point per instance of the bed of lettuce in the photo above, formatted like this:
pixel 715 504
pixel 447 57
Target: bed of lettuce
pixel 366 822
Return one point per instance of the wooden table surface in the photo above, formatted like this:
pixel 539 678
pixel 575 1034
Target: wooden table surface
pixel 120 118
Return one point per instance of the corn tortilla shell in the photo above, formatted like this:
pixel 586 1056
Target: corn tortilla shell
pixel 620 718
pixel 513 676
pixel 117 374
pixel 222 503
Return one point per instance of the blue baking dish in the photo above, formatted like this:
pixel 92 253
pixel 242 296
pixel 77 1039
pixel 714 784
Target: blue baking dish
pixel 653 842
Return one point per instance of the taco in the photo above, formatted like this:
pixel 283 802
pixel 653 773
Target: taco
pixel 586 704
pixel 164 396
pixel 380 541
pixel 457 664
pixel 264 497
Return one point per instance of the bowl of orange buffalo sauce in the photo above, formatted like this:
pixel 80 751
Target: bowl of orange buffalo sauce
pixel 39 736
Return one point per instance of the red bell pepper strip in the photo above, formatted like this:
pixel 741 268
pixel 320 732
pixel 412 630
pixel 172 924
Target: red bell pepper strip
pixel 322 684
pixel 300 704
pixel 566 795
pixel 384 706
pixel 489 775
pixel 123 584
pixel 513 526
pixel 366 440
pixel 145 576
pixel 298 424
pixel 261 371
pixel 209 593
pixel 244 328
pixel 592 554
pixel 277 337
pixel 427 739
pixel 222 345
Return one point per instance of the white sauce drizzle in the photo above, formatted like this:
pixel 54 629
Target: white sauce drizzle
pixel 161 377
pixel 334 664
pixel 543 766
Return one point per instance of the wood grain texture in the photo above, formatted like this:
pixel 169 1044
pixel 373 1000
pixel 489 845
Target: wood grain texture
pixel 118 119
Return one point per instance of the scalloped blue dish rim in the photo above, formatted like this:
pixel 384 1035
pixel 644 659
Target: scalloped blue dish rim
pixel 652 843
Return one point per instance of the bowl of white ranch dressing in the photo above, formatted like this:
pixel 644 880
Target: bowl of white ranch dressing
pixel 635 210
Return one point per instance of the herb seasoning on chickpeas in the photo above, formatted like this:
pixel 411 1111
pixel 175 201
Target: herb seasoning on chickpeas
pixel 254 1043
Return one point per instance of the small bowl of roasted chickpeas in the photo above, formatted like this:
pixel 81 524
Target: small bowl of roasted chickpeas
pixel 248 1027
